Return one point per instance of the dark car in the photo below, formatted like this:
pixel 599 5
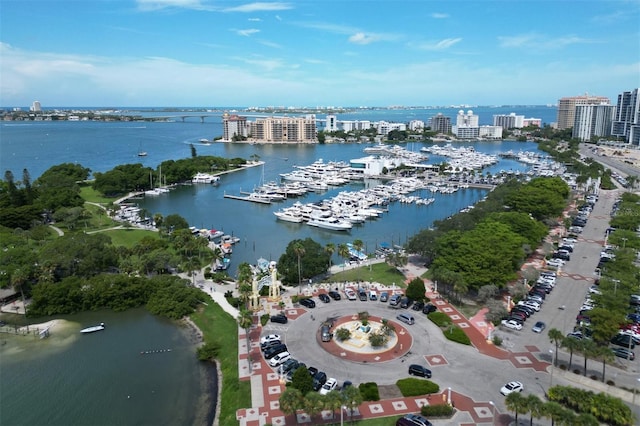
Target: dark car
pixel 417 420
pixel 324 298
pixel 274 350
pixel 520 315
pixel 308 303
pixel 562 254
pixel 519 309
pixel 418 306
pixel 335 295
pixel 418 370
pixel 405 302
pixel 428 308
pixel 270 344
pixel 621 352
pixel 312 370
pixel 289 365
pixel 279 318
pixel 625 340
pixel 362 295
pixel 319 379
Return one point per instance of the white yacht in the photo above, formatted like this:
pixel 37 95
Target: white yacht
pixel 290 215
pixel 205 178
pixel 331 223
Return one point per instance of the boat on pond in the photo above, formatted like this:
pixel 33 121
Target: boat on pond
pixel 93 329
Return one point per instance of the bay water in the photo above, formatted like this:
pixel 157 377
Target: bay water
pixel 102 379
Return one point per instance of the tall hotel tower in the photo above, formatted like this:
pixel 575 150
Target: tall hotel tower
pixel 567 108
pixel 626 123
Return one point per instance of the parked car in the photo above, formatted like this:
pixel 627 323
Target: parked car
pixel 324 298
pixel 555 263
pixel 269 338
pixel 335 295
pixel 405 302
pixel 279 318
pixel 418 370
pixel 279 359
pixel 428 308
pixel 289 365
pixel 512 324
pixel 384 296
pixel 328 386
pixel 373 295
pixel 307 303
pixel 270 344
pixel 624 340
pixel 538 327
pixel 394 300
pixel 623 353
pixel 417 420
pixel 351 295
pixel 362 295
pixel 511 387
pixel 319 380
pixel 417 306
pixel 274 350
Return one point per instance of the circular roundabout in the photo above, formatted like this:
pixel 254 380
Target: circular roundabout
pixel 394 340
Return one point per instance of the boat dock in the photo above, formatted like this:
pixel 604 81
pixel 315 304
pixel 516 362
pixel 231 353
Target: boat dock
pixel 247 198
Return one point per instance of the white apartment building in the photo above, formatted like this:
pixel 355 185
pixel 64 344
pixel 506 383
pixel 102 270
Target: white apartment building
pixel 373 165
pixel 467 126
pixel 490 132
pixel 331 124
pixel 567 108
pixel 593 120
pixel 35 107
pixel 509 121
pixel 350 126
pixel 285 129
pixel 416 125
pixel 384 127
pixel 234 125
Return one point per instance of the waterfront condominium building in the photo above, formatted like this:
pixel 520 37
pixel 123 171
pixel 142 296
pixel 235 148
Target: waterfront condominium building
pixel 467 126
pixel 567 108
pixel 284 129
pixel 532 122
pixel 440 124
pixel 509 121
pixel 36 107
pixel 626 123
pixel 593 120
pixel 234 126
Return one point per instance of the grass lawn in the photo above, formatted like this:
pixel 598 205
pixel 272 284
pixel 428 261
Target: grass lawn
pixel 219 327
pixel 380 272
pixel 129 237
pixel 89 194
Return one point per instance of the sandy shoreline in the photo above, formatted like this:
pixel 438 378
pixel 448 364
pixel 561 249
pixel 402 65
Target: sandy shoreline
pixel 33 328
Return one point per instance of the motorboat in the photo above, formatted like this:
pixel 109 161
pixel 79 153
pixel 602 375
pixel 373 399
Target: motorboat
pixel 290 215
pixel 205 178
pixel 330 222
pixel 93 329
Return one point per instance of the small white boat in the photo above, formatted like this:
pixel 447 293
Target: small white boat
pixel 205 178
pixel 93 329
pixel 331 223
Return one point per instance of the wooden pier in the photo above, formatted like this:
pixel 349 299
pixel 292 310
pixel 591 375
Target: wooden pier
pixel 247 198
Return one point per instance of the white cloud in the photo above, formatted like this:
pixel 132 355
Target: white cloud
pixel 437 15
pixel 151 5
pixel 254 19
pixel 440 45
pixel 259 7
pixel 247 32
pixel 270 44
pixel 538 42
pixel 362 38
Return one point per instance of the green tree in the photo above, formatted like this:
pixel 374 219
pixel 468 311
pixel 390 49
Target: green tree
pixel 333 402
pixel 535 407
pixel 343 252
pixel 313 261
pixel 291 400
pixel 313 404
pixel 556 338
pixel 517 403
pixel 352 398
pixel 302 381
pixel 299 250
pixel 553 411
pixel 416 289
pixel 571 344
pixel 330 248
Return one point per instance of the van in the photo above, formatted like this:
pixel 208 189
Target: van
pixel 373 295
pixel 325 333
pixel 406 318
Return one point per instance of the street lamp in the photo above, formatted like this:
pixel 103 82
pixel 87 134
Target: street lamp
pixel 624 242
pixel 342 408
pixel 552 364
pixel 493 413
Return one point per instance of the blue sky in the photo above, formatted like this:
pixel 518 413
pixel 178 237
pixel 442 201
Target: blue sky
pixel 315 53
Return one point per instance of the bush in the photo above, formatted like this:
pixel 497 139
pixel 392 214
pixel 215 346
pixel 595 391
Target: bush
pixel 456 334
pixel 343 334
pixel 369 391
pixel 497 340
pixel 264 319
pixel 439 318
pixel 414 387
pixel 440 410
pixel 607 409
pixel 208 351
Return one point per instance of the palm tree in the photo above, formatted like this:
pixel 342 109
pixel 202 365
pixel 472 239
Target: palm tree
pixel 343 252
pixel 352 398
pixel 553 411
pixel 517 403
pixel 290 401
pixel 586 419
pixel 556 337
pixel 572 344
pixel 333 402
pixel 358 245
pixel 605 355
pixel 535 406
pixel 330 248
pixel 313 404
pixel 299 250
pixel 588 349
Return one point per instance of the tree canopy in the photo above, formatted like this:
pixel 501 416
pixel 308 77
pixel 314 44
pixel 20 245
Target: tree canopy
pixel 313 260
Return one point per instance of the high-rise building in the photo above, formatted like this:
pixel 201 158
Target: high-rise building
pixel 233 125
pixel 567 108
pixel 626 123
pixel 285 129
pixel 593 120
pixel 467 126
pixel 36 107
pixel 332 123
pixel 440 124
pixel 509 121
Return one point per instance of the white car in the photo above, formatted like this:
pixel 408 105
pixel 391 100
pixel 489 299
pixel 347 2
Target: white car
pixel 279 359
pixel 530 304
pixel 351 295
pixel 269 338
pixel 511 387
pixel 328 386
pixel 555 263
pixel 514 325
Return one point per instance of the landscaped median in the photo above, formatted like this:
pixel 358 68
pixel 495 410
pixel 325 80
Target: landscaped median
pixel 449 329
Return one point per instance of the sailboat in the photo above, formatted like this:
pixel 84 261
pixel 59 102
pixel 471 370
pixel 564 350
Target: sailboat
pixel 141 153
